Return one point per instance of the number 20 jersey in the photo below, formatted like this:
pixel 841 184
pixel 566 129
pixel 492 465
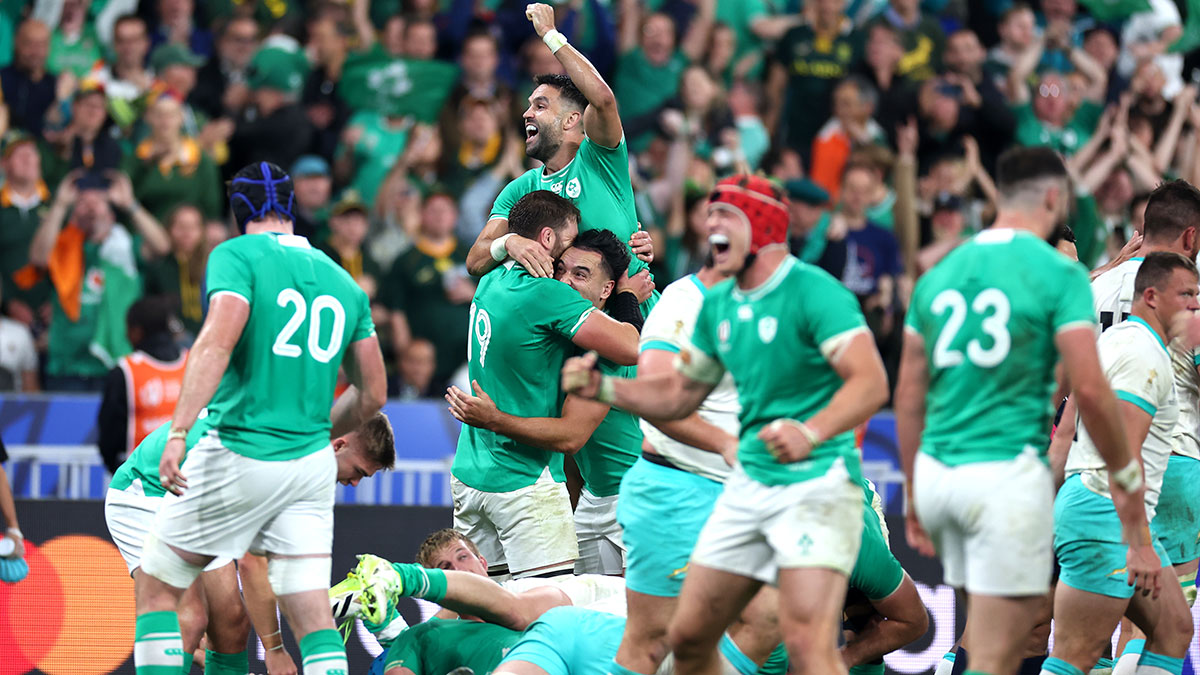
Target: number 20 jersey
pixel 989 314
pixel 274 400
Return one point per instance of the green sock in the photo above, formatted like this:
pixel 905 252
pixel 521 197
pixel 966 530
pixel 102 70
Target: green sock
pixel 421 582
pixel 322 653
pixel 157 644
pixel 187 662
pixel 216 663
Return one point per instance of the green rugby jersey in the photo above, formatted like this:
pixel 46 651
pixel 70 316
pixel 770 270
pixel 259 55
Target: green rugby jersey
pixel 775 340
pixel 520 335
pixel 989 313
pixel 273 402
pixel 438 646
pixel 596 182
pixel 614 446
pixel 142 463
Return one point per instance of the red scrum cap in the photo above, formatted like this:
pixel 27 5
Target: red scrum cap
pixel 761 202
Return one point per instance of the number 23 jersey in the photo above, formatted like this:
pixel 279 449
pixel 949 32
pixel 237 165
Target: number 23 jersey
pixel 989 314
pixel 274 400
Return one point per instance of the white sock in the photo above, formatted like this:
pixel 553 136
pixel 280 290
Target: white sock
pixel 1127 664
pixel 946 665
pixel 1152 670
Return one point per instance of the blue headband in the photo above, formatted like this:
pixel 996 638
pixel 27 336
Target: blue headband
pixel 270 204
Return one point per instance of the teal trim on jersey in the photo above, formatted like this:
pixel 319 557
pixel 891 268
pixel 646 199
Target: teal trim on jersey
pixel 740 662
pixel 1170 664
pixel 1138 259
pixel 1196 358
pixel 1136 400
pixel 660 344
pixel 699 284
pixel 1134 647
pixel 950 656
pixel 1138 319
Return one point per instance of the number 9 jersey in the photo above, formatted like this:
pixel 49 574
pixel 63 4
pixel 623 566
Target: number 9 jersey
pixel 273 402
pixel 989 314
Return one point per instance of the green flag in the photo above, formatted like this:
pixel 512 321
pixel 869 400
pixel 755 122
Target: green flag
pixel 397 87
pixel 1113 11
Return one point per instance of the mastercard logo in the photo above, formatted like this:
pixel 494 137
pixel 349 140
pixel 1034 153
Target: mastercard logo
pixel 73 615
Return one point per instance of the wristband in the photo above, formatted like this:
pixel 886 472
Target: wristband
pixel 555 40
pixel 175 433
pixel 15 532
pixel 607 392
pixel 276 648
pixel 1129 478
pixel 499 253
pixel 808 432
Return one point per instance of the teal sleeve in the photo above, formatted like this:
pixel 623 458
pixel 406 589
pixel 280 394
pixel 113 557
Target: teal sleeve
pixel 229 271
pixel 558 307
pixel 831 309
pixel 1072 296
pixel 509 196
pixel 613 163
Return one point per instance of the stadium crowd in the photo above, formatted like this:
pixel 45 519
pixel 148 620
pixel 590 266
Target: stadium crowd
pixel 401 121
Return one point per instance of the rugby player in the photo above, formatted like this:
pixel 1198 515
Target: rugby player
pixel 573 128
pixel 1091 597
pixel 984 331
pixel 807 373
pixel 603 441
pixel 509 495
pixel 281 317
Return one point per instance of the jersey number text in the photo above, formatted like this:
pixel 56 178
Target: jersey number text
pixel 321 305
pixel 994 309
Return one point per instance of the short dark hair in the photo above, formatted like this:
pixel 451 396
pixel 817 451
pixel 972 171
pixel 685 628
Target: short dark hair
pixel 131 18
pixel 1173 207
pixel 1157 268
pixel 614 256
pixel 538 209
pixel 566 88
pixel 152 314
pixel 1065 233
pixel 378 440
pixel 1018 167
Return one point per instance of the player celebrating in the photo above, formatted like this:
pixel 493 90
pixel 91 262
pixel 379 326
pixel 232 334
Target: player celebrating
pixel 573 128
pixel 520 326
pixel 807 373
pixel 980 349
pixel 281 317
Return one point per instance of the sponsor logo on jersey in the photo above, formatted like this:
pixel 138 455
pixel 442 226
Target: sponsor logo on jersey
pixel 557 188
pixel 745 312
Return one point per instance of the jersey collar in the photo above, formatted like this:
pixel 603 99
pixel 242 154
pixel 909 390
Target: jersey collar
pixel 1157 337
pixel 767 286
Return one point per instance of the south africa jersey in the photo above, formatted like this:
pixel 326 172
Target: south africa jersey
pixel 140 468
pixel 989 314
pixel 596 181
pixel 777 340
pixel 273 402
pixel 519 337
pixel 1138 367
pixel 669 328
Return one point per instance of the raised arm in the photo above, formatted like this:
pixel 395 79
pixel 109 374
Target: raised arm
pixel 47 232
pixel 1096 75
pixel 1022 68
pixel 155 241
pixel 630 23
pixel 601 120
pixel 695 40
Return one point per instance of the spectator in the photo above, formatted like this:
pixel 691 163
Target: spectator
pixel 651 63
pixel 92 262
pixel 808 206
pixel 313 187
pixel 420 39
pixel 478 81
pixel 1049 120
pixel 22 195
pixel 1018 29
pixel 175 67
pixel 176 27
pixel 1148 36
pixel 1062 27
pixel 169 167
pixel 87 142
pixel 29 90
pixel 851 127
pixel 982 111
pixel 18 357
pixel 274 127
pixel 744 104
pixel 948 228
pixel 348 226
pixel 74 45
pixel 391 38
pixel 536 59
pixel 418 364
pixel 809 62
pixel 127 78
pixel 179 275
pixel 480 145
pixel 1100 43
pixel 326 110
pixel 686 245
pixel 140 392
pixel 215 232
pixel 428 289
pixel 221 84
pixel 921 37
pixel 881 67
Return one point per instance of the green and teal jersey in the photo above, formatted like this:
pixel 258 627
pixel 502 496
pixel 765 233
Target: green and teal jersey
pixel 614 446
pixel 274 400
pixel 520 334
pixel 142 464
pixel 439 646
pixel 776 340
pixel 596 182
pixel 876 574
pixel 989 313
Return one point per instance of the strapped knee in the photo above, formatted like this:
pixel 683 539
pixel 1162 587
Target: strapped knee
pixel 1188 583
pixel 162 562
pixel 296 575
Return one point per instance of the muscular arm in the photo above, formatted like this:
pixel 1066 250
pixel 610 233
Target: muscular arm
pixel 227 316
pixel 692 430
pixel 696 38
pixel 1093 396
pixel 473 595
pixel 368 387
pixel 566 433
pixel 615 341
pixel 601 121
pixel 1060 444
pixel 260 599
pixel 479 258
pixel 666 396
pixel 901 618
pixel 864 388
